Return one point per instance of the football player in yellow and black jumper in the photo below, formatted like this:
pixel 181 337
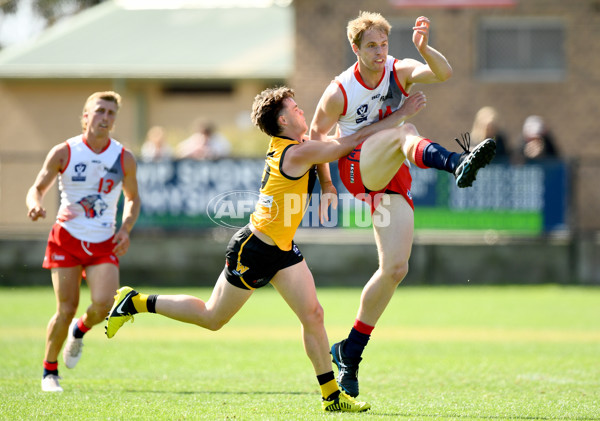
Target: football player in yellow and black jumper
pixel 264 251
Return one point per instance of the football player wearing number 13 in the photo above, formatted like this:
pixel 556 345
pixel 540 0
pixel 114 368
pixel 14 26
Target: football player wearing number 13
pixel 92 170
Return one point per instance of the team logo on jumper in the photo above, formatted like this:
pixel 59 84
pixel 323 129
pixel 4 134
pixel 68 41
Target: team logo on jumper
pixel 79 170
pixel 93 205
pixel 362 113
pixel 409 194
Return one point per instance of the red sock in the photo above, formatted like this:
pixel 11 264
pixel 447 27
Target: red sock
pixel 83 328
pixel 363 327
pixel 419 152
pixel 51 366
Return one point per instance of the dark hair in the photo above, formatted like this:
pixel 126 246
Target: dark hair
pixel 267 107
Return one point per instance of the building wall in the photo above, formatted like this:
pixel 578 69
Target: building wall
pixel 38 114
pixel 570 106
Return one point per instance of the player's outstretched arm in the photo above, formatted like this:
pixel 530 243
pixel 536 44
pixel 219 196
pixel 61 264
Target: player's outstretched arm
pixel 436 67
pixel 412 105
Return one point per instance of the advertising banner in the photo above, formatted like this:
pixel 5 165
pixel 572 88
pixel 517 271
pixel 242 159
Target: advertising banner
pixel 528 199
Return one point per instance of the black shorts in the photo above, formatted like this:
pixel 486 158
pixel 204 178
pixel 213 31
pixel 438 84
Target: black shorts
pixel 251 263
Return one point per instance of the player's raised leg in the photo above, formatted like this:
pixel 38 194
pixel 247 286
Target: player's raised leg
pixel 472 161
pixel 386 150
pixel 381 156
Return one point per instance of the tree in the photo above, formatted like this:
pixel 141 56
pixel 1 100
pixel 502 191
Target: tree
pixel 51 10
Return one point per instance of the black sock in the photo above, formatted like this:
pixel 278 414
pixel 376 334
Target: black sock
pixel 436 156
pixel 77 332
pixel 355 344
pixel 46 372
pixel 53 370
pixel 326 378
pixel 151 303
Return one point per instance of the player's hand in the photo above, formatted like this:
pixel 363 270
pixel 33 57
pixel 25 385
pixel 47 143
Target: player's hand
pixel 421 33
pixel 36 212
pixel 328 198
pixel 413 104
pixel 121 241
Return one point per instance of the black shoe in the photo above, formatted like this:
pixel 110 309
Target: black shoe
pixel 473 161
pixel 347 368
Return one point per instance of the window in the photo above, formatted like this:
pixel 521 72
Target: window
pixel 401 44
pixel 521 49
pixel 194 88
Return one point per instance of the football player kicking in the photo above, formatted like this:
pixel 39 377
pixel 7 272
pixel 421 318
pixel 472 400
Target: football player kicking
pixel 376 85
pixel 263 251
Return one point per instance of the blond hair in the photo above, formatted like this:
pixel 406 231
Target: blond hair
pixel 105 95
pixel 365 21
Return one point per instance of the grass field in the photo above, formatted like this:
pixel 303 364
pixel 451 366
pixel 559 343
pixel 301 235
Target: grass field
pixel 464 353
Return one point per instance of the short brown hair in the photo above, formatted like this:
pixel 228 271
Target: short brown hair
pixel 366 20
pixel 105 95
pixel 267 107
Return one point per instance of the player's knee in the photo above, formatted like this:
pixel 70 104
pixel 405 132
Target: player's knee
pixel 102 306
pixel 67 311
pixel 314 317
pixel 395 271
pixel 407 129
pixel 399 134
pixel 319 315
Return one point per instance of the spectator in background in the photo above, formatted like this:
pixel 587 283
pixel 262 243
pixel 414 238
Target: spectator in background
pixel 537 143
pixel 155 147
pixel 486 125
pixel 204 143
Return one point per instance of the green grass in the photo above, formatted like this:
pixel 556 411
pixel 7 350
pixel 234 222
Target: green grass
pixel 464 353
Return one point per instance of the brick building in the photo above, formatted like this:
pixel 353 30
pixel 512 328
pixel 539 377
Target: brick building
pixel 521 56
pixel 549 67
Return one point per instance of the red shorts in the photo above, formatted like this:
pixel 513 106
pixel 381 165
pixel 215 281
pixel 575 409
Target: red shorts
pixel 349 168
pixel 64 250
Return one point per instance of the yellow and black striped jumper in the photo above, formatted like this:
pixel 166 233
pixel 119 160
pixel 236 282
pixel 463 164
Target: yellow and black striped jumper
pixel 282 202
